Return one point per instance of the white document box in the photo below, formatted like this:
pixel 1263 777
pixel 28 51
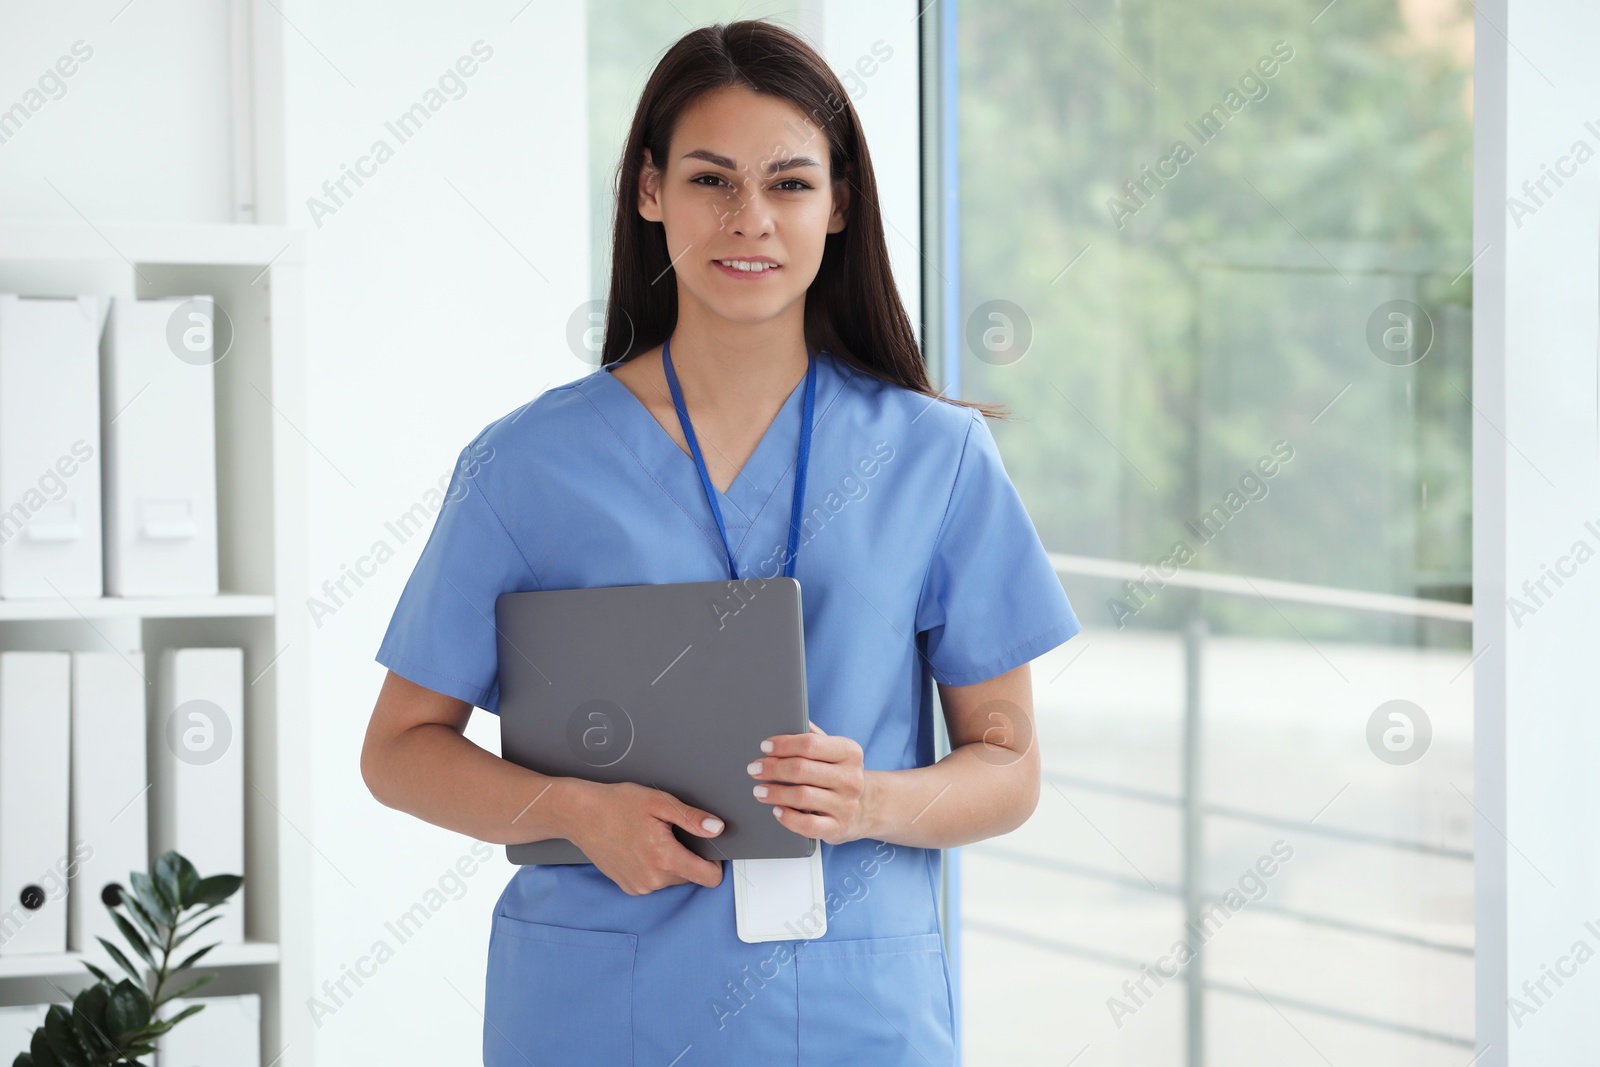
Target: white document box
pixel 110 792
pixel 196 752
pixel 49 447
pixel 16 1029
pixel 34 863
pixel 226 1034
pixel 161 450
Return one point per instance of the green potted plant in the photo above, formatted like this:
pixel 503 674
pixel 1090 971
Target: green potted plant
pixel 114 1022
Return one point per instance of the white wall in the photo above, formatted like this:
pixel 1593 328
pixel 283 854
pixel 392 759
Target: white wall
pixel 140 131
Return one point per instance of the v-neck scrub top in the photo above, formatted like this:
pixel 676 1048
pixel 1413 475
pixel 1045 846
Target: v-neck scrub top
pixel 917 563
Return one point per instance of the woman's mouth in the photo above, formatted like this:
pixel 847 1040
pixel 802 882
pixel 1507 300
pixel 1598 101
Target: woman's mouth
pixel 746 268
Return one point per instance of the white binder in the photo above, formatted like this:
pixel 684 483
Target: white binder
pixel 226 1034
pixel 34 694
pixel 161 462
pixel 110 792
pixel 196 748
pixel 49 447
pixel 16 1029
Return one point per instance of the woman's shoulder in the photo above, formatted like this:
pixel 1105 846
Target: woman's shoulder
pixel 923 420
pixel 509 449
pixel 555 411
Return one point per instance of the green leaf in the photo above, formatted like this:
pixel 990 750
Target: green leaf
pixel 178 877
pixel 190 988
pixel 128 1008
pixel 122 961
pixel 181 938
pixel 150 895
pixel 40 1050
pixel 185 1013
pixel 189 962
pixel 217 888
pixel 197 913
pixel 141 1047
pixel 134 939
pixel 61 1039
pixel 24 1059
pixel 98 973
pixel 168 1024
pixel 146 921
pixel 89 1019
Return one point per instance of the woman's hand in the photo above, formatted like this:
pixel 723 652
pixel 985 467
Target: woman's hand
pixel 627 833
pixel 826 795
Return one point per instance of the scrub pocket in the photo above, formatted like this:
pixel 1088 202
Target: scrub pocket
pixel 878 1000
pixel 558 997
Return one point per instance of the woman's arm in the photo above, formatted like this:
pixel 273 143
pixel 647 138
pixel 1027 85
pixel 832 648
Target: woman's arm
pixel 416 759
pixel 987 785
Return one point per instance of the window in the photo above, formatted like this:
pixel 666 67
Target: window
pixel 1214 256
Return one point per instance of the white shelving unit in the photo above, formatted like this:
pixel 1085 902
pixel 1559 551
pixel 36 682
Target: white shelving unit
pixel 255 273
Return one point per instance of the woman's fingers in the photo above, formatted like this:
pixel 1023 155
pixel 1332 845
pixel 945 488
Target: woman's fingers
pixel 796 770
pixel 803 798
pixel 814 781
pixel 822 827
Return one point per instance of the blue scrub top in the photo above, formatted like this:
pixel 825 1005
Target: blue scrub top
pixel 917 563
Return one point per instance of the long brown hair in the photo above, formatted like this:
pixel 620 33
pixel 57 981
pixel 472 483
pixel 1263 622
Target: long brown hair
pixel 852 306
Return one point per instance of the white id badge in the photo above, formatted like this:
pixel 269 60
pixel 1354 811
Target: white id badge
pixel 779 900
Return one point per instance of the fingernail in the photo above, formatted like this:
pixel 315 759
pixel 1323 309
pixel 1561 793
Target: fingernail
pixel 766 746
pixel 754 768
pixel 713 825
pixel 760 790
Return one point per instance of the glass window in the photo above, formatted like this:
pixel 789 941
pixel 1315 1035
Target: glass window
pixel 1215 258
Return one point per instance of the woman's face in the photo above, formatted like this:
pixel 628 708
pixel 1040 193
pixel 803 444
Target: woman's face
pixel 746 182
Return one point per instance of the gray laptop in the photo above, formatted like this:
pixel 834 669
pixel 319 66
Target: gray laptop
pixel 673 686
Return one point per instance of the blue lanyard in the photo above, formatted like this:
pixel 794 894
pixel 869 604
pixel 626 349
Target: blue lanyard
pixel 802 458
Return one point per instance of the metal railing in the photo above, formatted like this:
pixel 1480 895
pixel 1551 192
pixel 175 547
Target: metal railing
pixel 1195 811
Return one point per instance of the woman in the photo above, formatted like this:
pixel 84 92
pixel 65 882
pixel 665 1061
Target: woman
pixel 748 258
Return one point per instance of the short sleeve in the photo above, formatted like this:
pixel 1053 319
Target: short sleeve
pixel 442 633
pixel 991 600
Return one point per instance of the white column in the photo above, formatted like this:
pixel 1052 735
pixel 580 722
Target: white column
pixel 435 157
pixel 1535 459
pixel 874 51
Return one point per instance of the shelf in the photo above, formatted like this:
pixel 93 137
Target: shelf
pixel 225 605
pixel 45 242
pixel 258 274
pixel 56 964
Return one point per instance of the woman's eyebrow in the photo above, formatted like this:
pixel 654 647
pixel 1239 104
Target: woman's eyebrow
pixel 791 163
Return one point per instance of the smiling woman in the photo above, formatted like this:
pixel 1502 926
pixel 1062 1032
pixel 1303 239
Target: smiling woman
pixel 757 363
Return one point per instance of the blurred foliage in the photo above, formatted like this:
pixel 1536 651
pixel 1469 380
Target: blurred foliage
pixel 1230 308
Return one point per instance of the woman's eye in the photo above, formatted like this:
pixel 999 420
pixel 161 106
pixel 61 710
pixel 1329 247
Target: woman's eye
pixel 794 185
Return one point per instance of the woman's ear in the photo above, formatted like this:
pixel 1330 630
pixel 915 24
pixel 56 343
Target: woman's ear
pixel 649 189
pixel 841 205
